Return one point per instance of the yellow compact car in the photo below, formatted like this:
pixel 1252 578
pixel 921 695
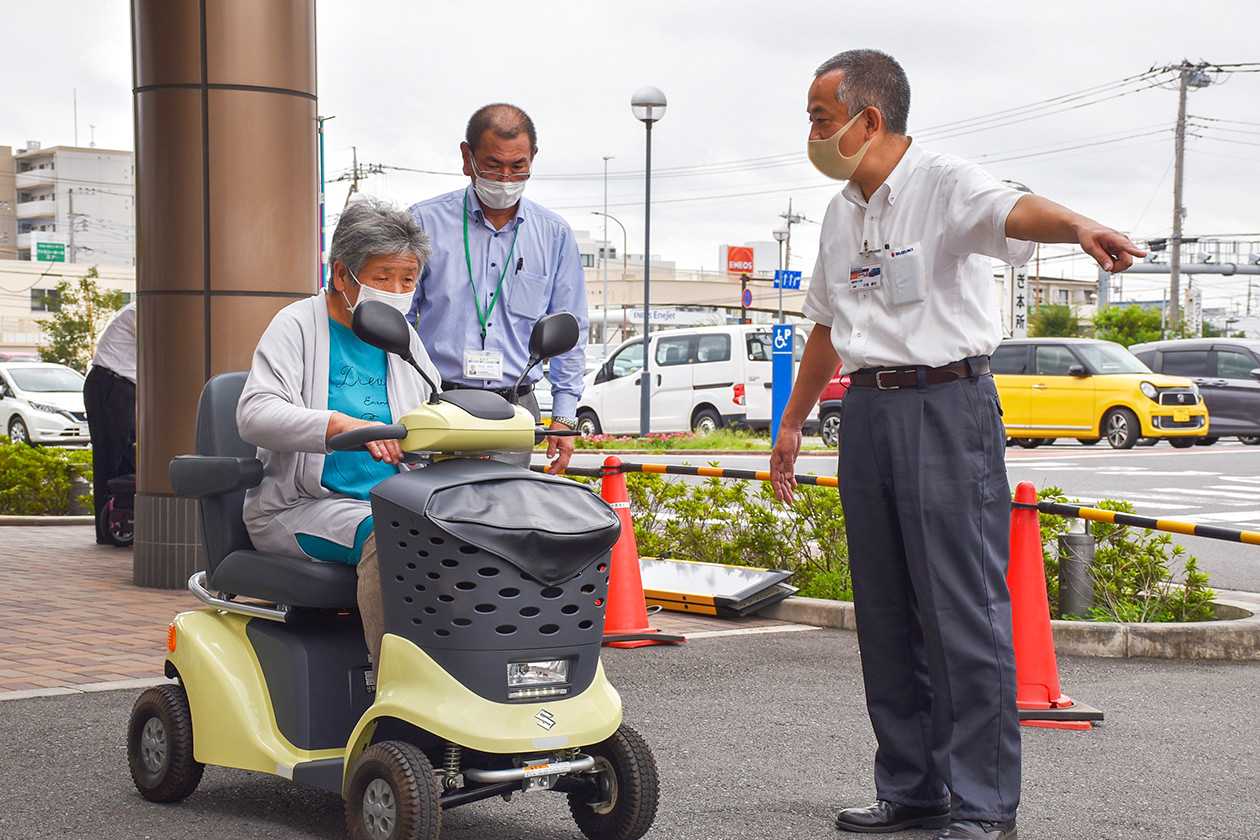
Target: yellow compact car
pixel 1090 389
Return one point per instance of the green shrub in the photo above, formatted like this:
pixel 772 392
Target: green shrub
pixel 1133 575
pixel 724 521
pixel 36 481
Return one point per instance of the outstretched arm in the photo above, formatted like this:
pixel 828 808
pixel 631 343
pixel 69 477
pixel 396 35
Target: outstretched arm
pixel 1037 219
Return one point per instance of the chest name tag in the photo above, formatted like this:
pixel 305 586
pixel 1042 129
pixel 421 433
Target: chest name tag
pixel 483 364
pixel 864 274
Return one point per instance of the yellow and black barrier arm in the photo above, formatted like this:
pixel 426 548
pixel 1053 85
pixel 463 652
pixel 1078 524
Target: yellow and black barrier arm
pixel 1172 526
pixel 707 472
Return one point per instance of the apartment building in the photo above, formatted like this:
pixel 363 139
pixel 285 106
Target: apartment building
pixel 67 204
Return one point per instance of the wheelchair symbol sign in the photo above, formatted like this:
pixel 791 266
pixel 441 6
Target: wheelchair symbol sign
pixel 782 338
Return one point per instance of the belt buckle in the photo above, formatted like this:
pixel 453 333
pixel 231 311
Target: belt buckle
pixel 879 380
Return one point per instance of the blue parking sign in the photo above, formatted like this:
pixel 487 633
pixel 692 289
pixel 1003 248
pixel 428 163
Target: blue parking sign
pixel 782 359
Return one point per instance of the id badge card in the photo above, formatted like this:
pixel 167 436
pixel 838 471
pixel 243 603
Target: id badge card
pixel 483 364
pixel 866 273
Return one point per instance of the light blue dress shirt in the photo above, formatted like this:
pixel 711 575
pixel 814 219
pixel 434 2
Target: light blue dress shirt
pixel 544 275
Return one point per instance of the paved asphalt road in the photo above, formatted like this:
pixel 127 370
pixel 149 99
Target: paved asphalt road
pixel 757 737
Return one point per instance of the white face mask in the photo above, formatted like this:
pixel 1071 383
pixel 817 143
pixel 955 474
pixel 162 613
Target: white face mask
pixel 827 158
pixel 399 300
pixel 498 195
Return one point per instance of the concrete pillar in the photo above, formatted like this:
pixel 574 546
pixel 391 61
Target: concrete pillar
pixel 227 223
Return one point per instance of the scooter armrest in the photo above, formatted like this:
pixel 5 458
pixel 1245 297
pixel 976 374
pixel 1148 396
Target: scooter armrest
pixel 202 476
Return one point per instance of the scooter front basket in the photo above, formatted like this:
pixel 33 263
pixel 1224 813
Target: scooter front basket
pixel 483 564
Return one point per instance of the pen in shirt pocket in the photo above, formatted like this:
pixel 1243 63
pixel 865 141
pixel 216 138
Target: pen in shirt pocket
pixel 520 263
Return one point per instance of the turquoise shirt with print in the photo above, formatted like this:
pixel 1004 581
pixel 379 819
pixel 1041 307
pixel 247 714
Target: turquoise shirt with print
pixel 357 374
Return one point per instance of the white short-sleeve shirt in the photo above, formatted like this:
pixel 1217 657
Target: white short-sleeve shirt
pixel 906 278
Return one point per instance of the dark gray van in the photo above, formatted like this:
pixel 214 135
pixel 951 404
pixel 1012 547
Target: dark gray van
pixel 1227 371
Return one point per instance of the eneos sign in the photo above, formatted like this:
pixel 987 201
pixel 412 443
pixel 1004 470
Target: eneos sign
pixel 739 259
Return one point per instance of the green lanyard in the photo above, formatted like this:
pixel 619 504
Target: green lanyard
pixel 468 261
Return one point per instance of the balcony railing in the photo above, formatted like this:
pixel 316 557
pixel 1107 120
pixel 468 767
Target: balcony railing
pixel 36 178
pixel 37 209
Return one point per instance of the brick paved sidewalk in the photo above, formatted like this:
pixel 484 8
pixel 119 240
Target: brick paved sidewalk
pixel 70 615
pixel 72 620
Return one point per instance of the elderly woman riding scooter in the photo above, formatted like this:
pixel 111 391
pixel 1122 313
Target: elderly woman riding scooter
pixel 311 379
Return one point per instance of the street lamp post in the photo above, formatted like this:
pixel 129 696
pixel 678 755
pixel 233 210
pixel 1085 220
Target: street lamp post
pixel 648 106
pixel 604 329
pixel 781 233
pixel 624 240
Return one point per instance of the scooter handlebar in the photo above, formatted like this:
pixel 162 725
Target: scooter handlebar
pixel 541 434
pixel 356 438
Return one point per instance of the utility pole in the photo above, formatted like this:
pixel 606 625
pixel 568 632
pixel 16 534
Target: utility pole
pixel 1190 75
pixel 792 219
pixel 357 174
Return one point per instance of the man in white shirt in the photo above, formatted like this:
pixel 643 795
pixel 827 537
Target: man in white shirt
pixel 109 395
pixel 900 292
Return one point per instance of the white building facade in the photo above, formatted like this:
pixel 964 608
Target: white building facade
pixel 71 204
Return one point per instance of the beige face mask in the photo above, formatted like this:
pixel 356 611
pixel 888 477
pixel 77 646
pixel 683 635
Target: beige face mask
pixel 826 156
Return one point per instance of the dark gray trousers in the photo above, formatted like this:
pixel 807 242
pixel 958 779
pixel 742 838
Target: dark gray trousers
pixel 927 507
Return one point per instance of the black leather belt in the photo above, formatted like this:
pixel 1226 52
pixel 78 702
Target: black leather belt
pixel 888 379
pixel 506 393
pixel 112 373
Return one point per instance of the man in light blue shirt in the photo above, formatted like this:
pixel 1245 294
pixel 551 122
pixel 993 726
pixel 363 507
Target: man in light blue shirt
pixel 500 262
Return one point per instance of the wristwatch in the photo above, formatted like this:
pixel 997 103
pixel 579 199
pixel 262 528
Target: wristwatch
pixel 571 422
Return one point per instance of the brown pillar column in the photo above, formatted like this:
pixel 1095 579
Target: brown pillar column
pixel 227 223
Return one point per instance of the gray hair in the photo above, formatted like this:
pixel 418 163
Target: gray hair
pixel 871 78
pixel 507 121
pixel 370 227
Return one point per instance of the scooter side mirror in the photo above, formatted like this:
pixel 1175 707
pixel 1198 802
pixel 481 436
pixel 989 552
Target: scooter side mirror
pixel 382 326
pixel 385 328
pixel 553 334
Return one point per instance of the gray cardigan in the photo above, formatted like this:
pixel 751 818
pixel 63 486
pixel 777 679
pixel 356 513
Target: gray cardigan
pixel 284 412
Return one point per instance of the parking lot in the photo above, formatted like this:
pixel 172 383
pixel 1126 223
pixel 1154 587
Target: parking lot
pixel 759 730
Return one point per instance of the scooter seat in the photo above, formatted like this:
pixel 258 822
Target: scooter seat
pixel 291 581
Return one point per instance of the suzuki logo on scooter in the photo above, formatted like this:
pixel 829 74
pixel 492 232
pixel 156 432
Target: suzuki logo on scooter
pixel 545 719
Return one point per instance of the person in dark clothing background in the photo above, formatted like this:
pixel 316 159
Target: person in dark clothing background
pixel 109 395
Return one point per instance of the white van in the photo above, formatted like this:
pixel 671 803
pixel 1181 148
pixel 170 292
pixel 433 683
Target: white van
pixel 703 378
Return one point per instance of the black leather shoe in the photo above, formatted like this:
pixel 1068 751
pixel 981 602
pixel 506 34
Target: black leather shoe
pixel 979 830
pixel 884 817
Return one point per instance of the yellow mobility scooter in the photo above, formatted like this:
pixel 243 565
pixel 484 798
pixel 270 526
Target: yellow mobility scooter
pixel 494 580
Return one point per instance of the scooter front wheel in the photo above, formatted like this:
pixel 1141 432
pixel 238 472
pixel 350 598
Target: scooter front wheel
pixel 393 795
pixel 628 785
pixel 160 745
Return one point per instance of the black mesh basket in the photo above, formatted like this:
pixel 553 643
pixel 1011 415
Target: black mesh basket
pixel 484 563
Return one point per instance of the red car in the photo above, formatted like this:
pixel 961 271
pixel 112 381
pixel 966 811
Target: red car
pixel 829 408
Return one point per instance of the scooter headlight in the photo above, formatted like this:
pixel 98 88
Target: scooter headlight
pixel 541 678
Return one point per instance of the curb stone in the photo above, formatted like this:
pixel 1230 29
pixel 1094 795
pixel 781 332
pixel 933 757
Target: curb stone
pixel 1235 638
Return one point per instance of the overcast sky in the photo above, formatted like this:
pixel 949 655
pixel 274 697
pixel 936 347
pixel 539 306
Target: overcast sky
pixel 1036 92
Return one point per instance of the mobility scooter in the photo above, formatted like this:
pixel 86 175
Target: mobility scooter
pixel 494 580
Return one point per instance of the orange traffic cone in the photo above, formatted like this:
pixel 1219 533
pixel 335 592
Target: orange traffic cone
pixel 625 619
pixel 1041 702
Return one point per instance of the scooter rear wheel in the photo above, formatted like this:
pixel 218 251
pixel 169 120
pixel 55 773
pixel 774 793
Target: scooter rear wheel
pixel 629 789
pixel 160 745
pixel 393 795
